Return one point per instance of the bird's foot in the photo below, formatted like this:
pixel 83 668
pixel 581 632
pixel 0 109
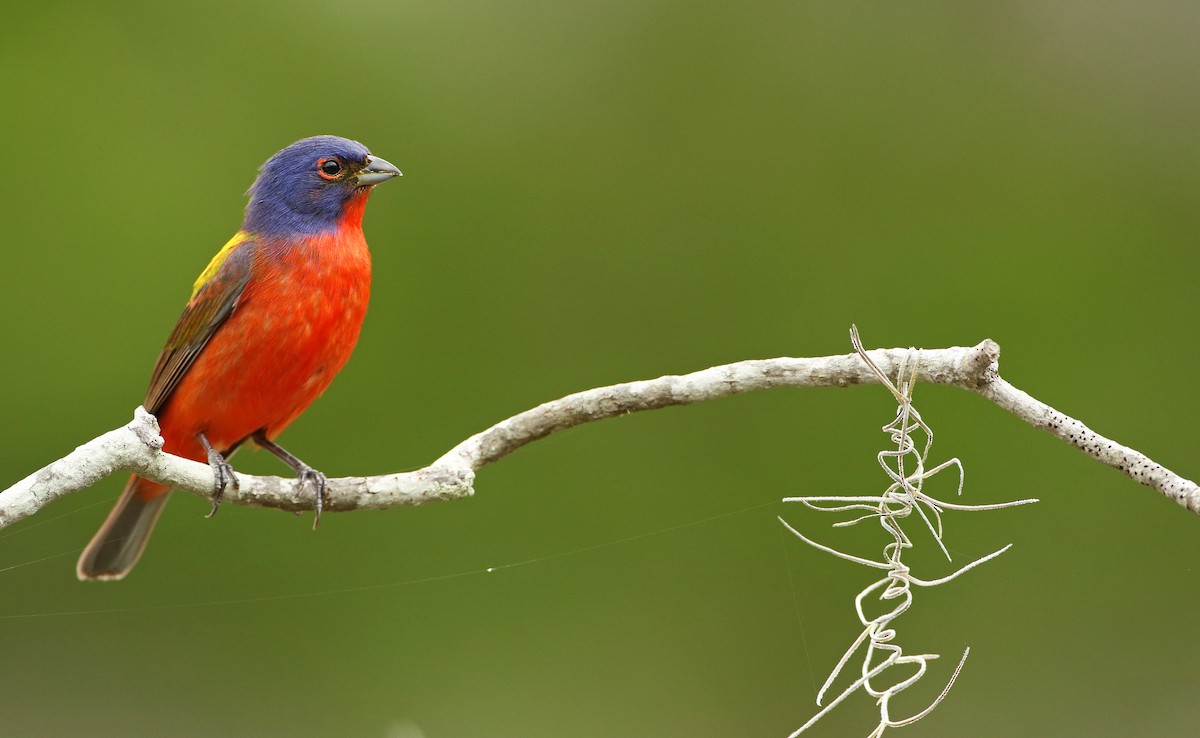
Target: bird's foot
pixel 223 477
pixel 305 474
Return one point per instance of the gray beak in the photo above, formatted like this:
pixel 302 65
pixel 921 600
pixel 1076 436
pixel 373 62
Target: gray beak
pixel 377 170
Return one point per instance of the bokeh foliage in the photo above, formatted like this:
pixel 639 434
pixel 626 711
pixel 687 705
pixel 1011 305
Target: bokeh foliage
pixel 595 192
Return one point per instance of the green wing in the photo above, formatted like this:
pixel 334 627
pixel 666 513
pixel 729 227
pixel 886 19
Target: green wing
pixel 214 298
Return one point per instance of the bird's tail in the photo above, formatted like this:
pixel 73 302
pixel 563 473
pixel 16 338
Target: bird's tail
pixel 119 543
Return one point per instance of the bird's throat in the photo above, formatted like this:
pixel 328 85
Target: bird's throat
pixel 352 211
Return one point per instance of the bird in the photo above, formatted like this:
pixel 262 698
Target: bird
pixel 270 321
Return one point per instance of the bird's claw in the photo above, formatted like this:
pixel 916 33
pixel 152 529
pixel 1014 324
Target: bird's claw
pixel 223 477
pixel 307 474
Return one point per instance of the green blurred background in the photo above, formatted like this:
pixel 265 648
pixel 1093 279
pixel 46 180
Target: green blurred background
pixel 596 192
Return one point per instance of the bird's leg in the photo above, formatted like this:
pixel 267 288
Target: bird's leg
pixel 304 472
pixel 223 475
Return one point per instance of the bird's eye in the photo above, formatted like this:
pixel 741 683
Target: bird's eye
pixel 329 168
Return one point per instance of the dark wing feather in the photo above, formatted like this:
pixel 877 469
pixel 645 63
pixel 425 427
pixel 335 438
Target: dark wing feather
pixel 210 306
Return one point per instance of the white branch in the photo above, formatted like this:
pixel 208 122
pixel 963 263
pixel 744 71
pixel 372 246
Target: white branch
pixel 137 447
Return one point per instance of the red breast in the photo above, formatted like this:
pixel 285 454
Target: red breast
pixel 292 330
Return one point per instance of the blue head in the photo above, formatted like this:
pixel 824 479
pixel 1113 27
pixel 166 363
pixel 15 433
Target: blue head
pixel 303 189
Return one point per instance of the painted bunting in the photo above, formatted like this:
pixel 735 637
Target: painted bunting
pixel 270 321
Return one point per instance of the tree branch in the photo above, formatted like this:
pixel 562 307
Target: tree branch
pixel 137 446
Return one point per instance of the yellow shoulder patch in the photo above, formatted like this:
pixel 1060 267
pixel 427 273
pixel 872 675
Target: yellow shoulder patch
pixel 214 266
